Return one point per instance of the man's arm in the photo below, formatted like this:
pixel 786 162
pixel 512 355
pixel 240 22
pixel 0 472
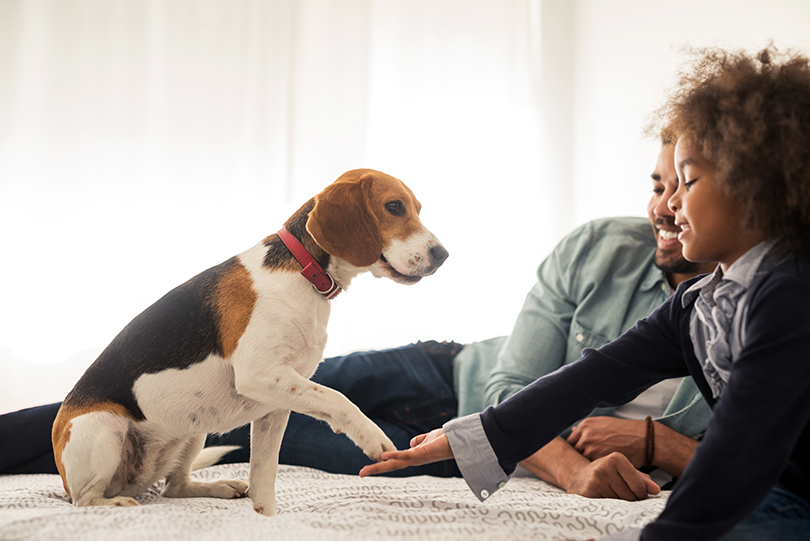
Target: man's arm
pixel 610 476
pixel 597 437
pixel 539 341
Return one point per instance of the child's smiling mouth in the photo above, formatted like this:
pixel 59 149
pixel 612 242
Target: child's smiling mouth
pixel 685 228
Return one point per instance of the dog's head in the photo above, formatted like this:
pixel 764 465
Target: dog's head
pixel 371 219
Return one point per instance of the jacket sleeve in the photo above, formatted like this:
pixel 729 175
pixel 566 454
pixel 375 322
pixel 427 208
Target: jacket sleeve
pixel 610 376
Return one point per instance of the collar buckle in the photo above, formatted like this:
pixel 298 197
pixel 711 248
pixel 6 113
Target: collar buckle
pixel 321 280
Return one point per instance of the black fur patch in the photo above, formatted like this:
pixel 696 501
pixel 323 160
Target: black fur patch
pixel 277 253
pixel 177 331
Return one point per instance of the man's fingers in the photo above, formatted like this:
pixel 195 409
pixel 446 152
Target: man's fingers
pixel 573 438
pixel 632 484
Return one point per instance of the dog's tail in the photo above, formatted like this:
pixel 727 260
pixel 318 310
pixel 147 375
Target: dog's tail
pixel 212 455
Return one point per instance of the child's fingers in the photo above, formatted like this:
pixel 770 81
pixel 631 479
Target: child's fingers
pixel 390 463
pixel 406 456
pixel 380 467
pixel 416 440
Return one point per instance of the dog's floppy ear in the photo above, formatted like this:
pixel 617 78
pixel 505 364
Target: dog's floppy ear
pixel 343 223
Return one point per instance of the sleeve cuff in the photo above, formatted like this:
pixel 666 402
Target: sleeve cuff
pixel 474 455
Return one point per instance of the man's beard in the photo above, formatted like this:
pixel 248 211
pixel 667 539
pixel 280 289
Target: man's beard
pixel 672 261
pixel 675 265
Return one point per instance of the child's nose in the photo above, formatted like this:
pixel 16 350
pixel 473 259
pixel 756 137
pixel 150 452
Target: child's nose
pixel 674 203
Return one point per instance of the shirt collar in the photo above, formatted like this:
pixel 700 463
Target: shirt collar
pixel 655 279
pixel 743 271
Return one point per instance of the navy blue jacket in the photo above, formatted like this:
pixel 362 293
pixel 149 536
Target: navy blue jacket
pixel 758 436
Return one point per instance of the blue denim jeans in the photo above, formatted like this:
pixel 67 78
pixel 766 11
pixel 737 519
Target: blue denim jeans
pixel 781 516
pixel 407 391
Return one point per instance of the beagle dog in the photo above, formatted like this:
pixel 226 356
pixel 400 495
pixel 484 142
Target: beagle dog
pixel 237 344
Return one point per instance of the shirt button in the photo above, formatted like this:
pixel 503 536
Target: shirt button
pixel 580 337
pixel 502 484
pixel 485 494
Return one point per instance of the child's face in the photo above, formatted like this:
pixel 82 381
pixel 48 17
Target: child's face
pixel 708 217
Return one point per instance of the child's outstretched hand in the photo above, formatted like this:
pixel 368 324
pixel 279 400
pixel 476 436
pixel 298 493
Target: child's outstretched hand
pixel 425 449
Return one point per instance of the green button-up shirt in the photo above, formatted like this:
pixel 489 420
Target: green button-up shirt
pixel 595 285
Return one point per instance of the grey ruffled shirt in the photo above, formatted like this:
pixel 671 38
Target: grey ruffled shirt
pixel 717 325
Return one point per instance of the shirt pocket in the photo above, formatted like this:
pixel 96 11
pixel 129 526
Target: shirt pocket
pixel 580 338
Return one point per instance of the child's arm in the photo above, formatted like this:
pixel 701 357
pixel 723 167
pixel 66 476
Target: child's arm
pixel 757 436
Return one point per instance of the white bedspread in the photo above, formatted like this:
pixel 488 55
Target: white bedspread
pixel 319 506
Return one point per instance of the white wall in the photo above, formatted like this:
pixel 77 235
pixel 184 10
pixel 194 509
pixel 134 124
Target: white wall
pixel 625 55
pixel 142 142
pixel 598 69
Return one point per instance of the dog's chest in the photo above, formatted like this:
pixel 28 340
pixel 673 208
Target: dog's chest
pixel 201 398
pixel 287 329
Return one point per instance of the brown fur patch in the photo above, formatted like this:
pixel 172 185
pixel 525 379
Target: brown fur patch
pixel 235 302
pixel 350 219
pixel 342 222
pixel 386 189
pixel 60 434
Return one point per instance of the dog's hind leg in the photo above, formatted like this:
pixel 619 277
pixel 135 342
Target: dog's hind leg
pixel 92 457
pixel 265 441
pixel 180 485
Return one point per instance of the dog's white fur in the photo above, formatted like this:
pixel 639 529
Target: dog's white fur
pixel 107 454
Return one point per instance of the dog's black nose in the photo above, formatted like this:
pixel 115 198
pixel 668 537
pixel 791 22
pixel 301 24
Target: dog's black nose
pixel 438 254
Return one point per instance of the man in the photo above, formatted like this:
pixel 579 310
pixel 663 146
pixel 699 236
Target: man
pixel 598 281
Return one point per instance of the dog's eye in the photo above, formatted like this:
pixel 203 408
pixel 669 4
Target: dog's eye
pixel 395 207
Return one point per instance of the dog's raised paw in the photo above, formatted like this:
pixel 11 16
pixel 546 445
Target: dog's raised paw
pixel 374 444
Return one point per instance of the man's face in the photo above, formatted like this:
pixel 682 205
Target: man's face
pixel 669 251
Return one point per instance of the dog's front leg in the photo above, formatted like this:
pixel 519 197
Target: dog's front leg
pixel 287 388
pixel 265 442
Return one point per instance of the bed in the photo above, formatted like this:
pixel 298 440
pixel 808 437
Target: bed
pixel 314 505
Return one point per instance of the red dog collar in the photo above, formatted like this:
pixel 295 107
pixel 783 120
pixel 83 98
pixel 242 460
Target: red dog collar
pixel 321 281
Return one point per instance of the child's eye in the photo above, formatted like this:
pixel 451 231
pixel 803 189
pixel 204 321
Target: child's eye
pixel 689 184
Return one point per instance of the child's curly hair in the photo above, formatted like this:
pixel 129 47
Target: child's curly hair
pixel 750 117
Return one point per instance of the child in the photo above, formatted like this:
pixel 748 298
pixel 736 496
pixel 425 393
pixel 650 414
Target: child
pixel 742 126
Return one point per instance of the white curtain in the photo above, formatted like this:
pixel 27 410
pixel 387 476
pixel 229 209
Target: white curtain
pixel 143 141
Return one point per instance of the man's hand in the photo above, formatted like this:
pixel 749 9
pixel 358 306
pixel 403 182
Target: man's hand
pixel 597 437
pixel 612 476
pixel 425 449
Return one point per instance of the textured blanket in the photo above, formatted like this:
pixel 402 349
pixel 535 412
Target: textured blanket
pixel 313 505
